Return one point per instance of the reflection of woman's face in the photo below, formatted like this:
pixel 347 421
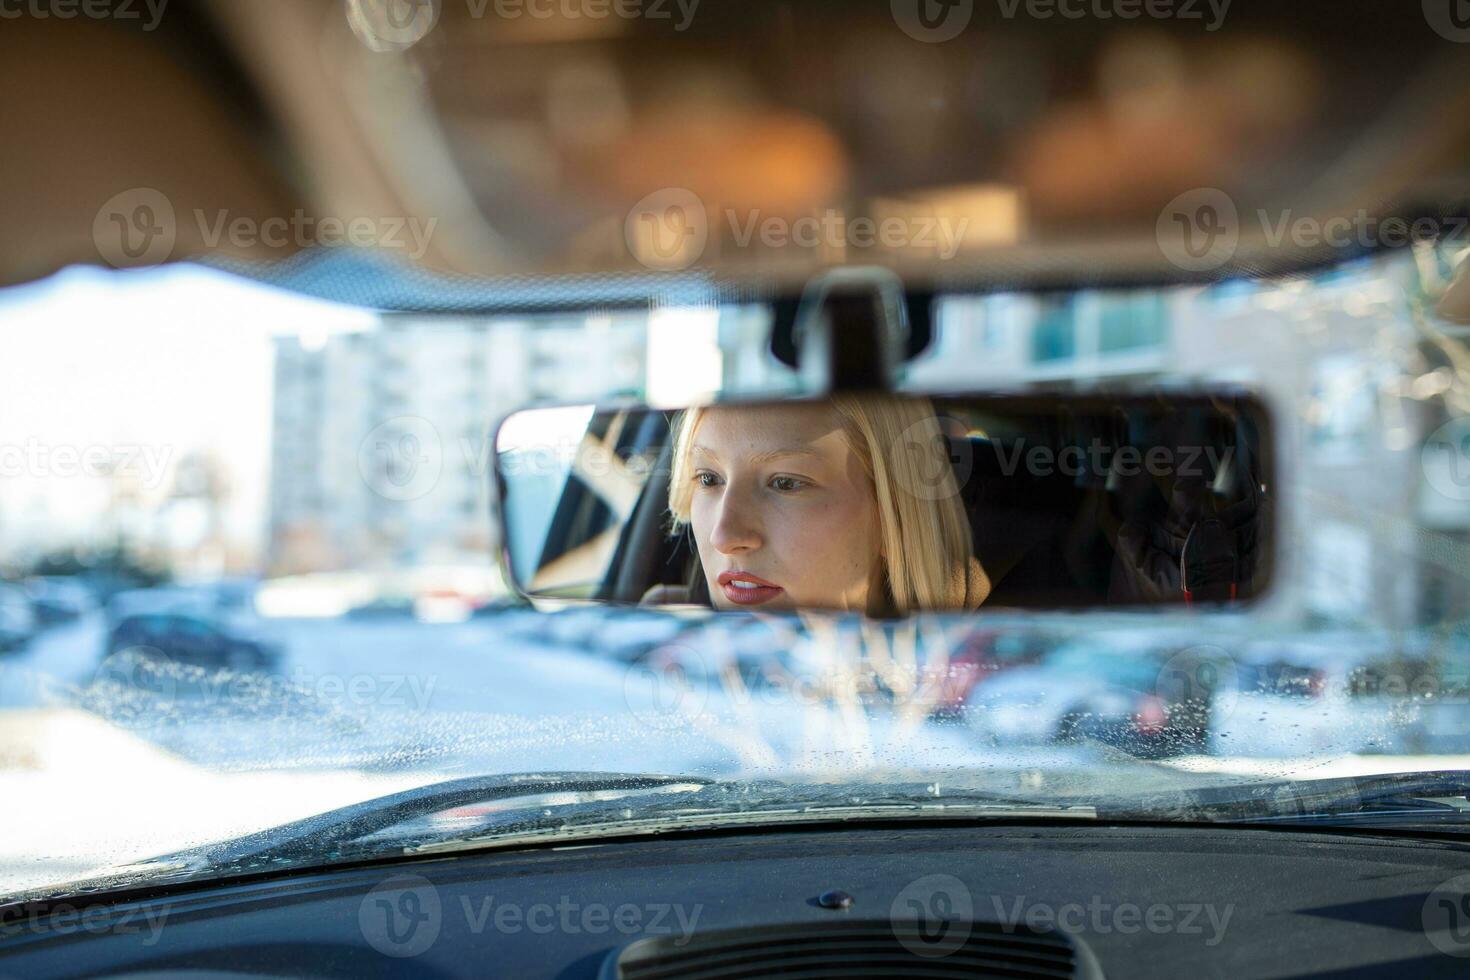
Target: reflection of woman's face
pixel 783 514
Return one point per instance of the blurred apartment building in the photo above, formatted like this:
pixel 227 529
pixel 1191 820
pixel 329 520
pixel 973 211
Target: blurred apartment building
pixel 380 447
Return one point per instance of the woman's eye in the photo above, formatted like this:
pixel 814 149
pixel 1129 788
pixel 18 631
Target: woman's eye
pixel 704 479
pixel 786 484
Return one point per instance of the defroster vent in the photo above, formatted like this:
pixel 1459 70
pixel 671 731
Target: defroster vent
pixel 859 948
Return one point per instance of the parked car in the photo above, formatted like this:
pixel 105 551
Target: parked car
pixel 384 607
pixel 1297 694
pixel 59 599
pixel 982 656
pixel 160 599
pixel 17 619
pixel 192 639
pixel 1125 693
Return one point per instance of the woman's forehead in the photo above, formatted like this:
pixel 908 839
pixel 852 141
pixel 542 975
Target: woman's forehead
pixel 760 429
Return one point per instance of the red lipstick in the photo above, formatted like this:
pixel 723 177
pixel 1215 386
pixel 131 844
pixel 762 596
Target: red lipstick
pixel 745 589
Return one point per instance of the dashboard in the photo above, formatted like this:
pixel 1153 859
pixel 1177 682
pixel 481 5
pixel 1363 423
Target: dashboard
pixel 1019 900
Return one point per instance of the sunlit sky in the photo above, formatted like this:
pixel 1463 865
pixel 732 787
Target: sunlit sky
pixel 168 361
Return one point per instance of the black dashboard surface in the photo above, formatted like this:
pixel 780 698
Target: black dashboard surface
pixel 1147 901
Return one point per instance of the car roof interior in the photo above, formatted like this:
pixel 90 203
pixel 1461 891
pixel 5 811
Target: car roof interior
pixel 259 109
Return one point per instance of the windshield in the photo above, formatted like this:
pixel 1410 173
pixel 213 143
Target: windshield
pixel 249 577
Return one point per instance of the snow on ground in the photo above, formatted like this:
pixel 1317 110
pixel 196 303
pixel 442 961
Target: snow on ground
pixel 104 762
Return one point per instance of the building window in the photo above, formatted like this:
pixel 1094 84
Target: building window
pixel 1054 338
pixel 1342 416
pixel 1130 322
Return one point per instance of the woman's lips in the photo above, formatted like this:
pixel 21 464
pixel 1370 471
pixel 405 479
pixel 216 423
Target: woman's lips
pixel 745 589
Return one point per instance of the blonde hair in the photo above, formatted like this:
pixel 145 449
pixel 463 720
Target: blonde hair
pixel 928 553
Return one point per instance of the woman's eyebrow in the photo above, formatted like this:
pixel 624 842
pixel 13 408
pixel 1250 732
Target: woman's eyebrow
pixel 764 457
pixel 774 454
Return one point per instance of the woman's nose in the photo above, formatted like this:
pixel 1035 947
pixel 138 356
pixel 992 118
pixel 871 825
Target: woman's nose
pixel 736 529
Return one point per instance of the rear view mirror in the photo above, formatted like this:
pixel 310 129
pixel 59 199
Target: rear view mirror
pixel 889 504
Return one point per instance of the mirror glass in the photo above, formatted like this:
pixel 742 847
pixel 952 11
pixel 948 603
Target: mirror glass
pixel 892 504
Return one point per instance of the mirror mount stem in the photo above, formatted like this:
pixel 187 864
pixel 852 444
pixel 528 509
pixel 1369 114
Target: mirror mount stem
pixel 852 330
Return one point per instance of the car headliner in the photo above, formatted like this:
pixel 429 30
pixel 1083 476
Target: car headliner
pixel 261 110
